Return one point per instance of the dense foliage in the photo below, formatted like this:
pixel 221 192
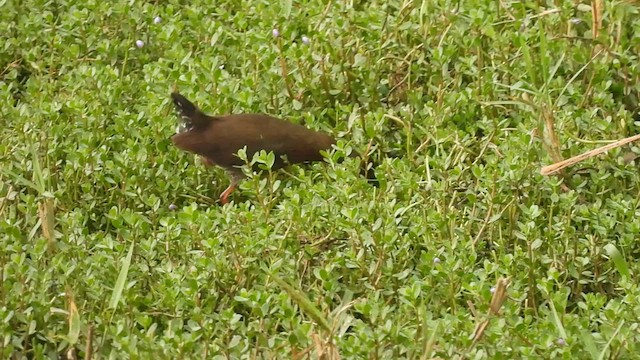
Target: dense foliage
pixel 111 241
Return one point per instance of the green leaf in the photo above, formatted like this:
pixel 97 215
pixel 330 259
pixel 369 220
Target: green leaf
pixel 557 320
pixel 359 61
pixel 618 260
pixel 122 278
pixel 589 344
pixel 286 8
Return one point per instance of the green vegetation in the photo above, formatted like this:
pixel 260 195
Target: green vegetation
pixel 111 237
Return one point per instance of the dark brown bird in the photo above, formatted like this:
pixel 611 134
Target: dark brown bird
pixel 217 139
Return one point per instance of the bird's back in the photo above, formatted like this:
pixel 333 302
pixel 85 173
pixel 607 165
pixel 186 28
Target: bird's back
pixel 225 135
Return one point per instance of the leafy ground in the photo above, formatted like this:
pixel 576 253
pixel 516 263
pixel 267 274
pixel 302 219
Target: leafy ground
pixel 112 246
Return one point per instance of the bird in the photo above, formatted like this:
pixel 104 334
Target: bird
pixel 217 140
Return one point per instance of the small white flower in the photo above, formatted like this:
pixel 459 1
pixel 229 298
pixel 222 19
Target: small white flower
pixel 275 32
pixel 157 20
pixel 305 40
pixel 139 44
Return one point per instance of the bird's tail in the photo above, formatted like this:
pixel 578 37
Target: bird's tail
pixel 189 111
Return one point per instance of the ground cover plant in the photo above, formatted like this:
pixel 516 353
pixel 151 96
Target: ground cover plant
pixel 112 245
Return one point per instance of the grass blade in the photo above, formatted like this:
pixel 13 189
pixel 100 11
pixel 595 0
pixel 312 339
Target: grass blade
pixel 74 323
pixel 303 301
pixel 122 278
pixel 618 260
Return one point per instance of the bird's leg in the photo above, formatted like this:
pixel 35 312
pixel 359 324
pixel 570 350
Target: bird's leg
pixel 236 176
pixel 224 197
pixel 225 194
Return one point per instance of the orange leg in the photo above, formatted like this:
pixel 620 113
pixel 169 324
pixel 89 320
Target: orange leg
pixel 225 194
pixel 235 178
